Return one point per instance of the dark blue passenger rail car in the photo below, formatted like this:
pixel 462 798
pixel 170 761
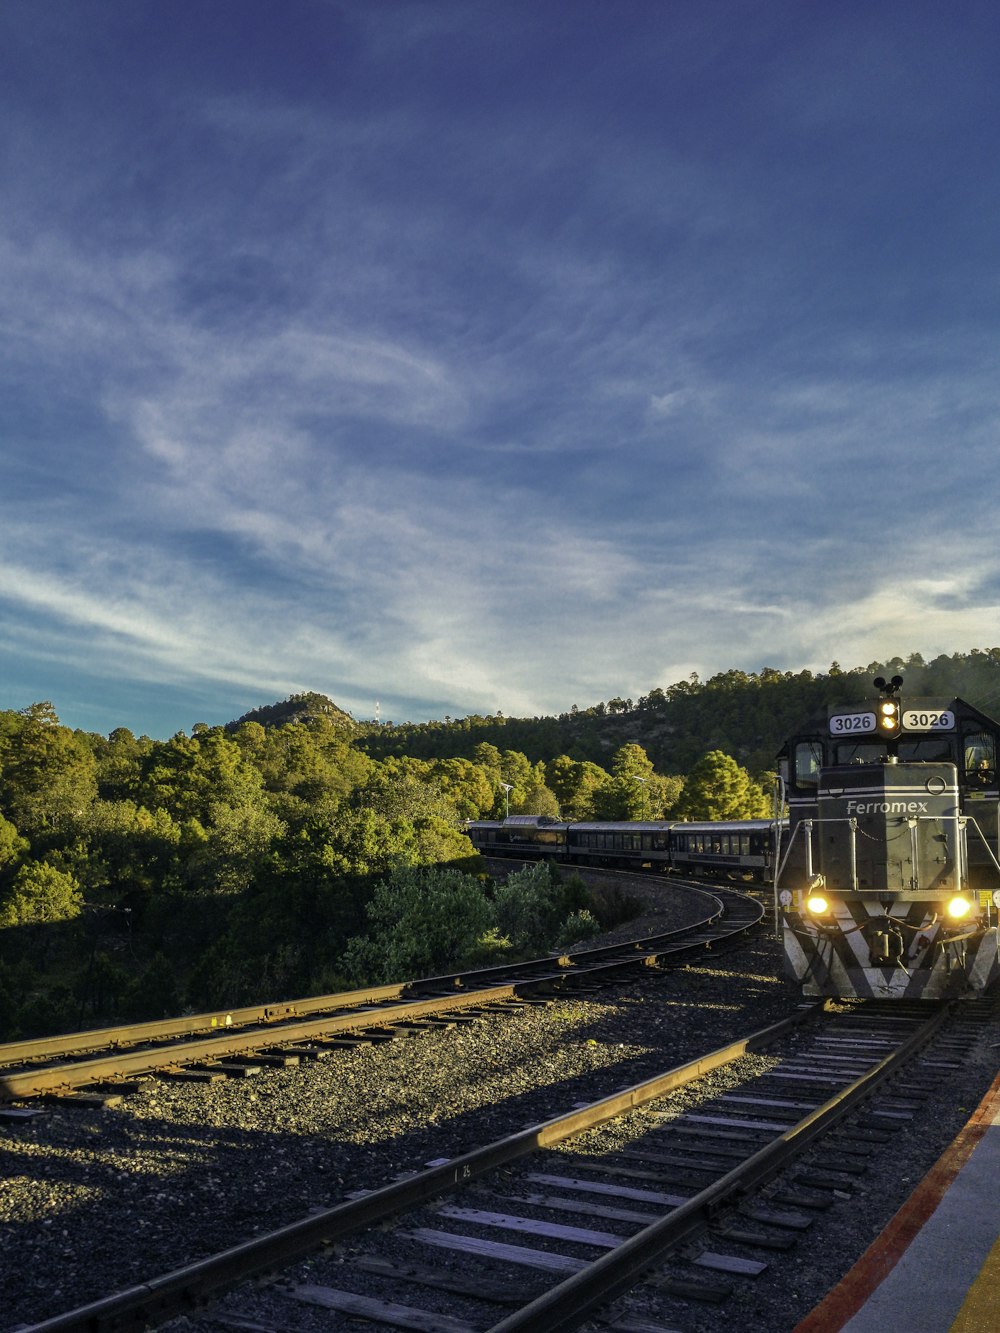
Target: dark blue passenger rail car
pixel 741 849
pixel 527 837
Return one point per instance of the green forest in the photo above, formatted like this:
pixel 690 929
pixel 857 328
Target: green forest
pixel 295 850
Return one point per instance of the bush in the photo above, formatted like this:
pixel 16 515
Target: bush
pixel 527 912
pixel 155 994
pixel 613 906
pixel 9 1007
pixel 99 987
pixel 39 895
pixel 44 1015
pixel 421 922
pixel 491 948
pixel 577 927
pixel 533 903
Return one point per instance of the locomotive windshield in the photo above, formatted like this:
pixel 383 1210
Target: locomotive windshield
pixel 926 750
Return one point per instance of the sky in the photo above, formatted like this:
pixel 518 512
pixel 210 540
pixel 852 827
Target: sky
pixel 464 356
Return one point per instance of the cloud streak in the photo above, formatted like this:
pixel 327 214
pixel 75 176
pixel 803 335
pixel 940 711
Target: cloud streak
pixel 489 366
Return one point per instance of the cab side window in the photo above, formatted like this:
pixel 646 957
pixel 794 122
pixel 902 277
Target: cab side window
pixel 808 762
pixel 980 758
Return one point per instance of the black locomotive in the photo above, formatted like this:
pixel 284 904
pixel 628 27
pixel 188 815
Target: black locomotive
pixel 888 881
pixel 885 872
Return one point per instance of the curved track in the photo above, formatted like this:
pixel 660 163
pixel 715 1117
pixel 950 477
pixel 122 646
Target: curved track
pixel 214 1044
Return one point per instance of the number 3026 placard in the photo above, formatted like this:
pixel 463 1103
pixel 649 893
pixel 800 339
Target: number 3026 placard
pixel 852 724
pixel 928 719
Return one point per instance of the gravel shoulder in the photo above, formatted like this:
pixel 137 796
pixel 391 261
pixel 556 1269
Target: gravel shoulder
pixel 92 1202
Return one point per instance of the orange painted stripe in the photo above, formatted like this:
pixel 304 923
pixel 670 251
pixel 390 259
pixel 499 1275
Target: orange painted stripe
pixel 849 1295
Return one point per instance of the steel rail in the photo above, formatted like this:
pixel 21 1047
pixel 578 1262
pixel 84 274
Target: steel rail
pixel 146 1060
pixel 16 1052
pixel 276 1012
pixel 566 1305
pixel 399 1003
pixel 185 1289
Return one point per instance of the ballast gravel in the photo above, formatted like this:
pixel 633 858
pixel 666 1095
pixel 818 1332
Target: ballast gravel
pixel 92 1202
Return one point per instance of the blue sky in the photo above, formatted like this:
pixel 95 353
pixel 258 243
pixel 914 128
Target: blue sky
pixel 472 356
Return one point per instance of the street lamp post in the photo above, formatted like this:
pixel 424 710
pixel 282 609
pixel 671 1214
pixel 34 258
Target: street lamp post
pixel 645 793
pixel 507 789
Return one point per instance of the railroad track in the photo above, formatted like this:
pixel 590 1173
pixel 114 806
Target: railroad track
pixel 655 1191
pixel 97 1066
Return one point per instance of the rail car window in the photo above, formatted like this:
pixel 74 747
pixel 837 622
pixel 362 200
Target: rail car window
pixel 980 758
pixel 808 762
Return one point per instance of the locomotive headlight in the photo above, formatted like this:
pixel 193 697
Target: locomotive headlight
pixel 959 907
pixel 888 714
pixel 817 904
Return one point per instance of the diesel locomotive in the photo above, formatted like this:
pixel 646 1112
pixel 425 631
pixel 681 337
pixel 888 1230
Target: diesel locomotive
pixel 884 871
pixel 887 881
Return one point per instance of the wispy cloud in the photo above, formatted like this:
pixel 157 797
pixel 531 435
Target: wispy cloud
pixel 473 364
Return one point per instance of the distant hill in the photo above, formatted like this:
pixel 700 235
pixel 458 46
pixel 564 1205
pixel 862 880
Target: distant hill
pixel 298 708
pixel 749 716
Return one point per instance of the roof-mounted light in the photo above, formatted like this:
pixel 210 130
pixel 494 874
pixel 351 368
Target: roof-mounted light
pixel 889 712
